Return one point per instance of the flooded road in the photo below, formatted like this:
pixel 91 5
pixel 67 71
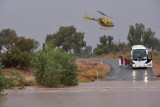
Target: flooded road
pixel 95 94
pixel 132 90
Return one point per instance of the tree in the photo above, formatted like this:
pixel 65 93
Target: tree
pixel 139 32
pixel 14 57
pixel 122 46
pixel 110 39
pixel 98 51
pixel 148 38
pixel 131 37
pixel 54 68
pixel 67 38
pixel 138 35
pixel 106 45
pixel 103 40
pixel 26 45
pixel 7 37
pixel 86 52
pixel 155 44
pixel 110 43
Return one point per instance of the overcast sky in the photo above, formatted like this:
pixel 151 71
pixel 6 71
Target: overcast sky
pixel 37 18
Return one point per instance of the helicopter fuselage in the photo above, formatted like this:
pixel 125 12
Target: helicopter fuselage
pixel 101 21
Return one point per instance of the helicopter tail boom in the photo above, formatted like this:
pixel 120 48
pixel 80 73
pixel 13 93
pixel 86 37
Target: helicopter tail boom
pixel 86 17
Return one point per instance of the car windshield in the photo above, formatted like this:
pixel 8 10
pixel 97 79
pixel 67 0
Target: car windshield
pixel 139 54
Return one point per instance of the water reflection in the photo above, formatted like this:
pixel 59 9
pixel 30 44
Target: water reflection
pixel 141 75
pixel 146 77
pixel 134 75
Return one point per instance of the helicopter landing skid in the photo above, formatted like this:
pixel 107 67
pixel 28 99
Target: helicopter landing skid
pixel 106 28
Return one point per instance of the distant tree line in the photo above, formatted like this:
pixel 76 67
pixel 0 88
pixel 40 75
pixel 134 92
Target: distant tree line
pixel 137 35
pixel 69 40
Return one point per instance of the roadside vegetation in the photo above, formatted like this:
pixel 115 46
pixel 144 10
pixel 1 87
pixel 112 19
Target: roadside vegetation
pixel 91 70
pixel 54 68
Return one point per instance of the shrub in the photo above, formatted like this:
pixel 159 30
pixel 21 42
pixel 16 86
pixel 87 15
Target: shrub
pixel 114 53
pixel 24 61
pixel 15 57
pixel 54 68
pixel 98 51
pixel 17 79
pixel 5 82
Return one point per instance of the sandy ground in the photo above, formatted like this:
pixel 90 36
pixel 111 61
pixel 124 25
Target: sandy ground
pixel 88 64
pixel 25 72
pixel 156 68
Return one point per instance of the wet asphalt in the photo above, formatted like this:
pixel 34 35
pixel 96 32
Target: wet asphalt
pixel 122 87
pixel 123 73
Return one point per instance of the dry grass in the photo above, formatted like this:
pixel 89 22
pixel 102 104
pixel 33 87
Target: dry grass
pixel 24 72
pixel 27 73
pixel 91 75
pixel 91 70
pixel 30 81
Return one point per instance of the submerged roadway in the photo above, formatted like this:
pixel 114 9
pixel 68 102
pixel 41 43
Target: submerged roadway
pixel 123 87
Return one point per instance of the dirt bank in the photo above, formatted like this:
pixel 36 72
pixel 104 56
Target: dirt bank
pixel 92 70
pixel 88 70
pixel 156 69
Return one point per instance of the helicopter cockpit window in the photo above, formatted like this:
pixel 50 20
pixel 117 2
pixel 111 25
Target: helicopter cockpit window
pixel 107 22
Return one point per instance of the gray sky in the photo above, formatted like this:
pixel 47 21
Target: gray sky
pixel 37 18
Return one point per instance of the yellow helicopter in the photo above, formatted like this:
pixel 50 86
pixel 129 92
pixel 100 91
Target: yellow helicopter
pixel 104 22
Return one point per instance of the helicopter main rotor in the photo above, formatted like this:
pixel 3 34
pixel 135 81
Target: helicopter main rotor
pixel 104 14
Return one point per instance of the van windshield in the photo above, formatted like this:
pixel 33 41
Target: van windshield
pixel 139 54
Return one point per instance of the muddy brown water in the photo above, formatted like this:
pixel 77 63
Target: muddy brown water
pixel 109 92
pixel 94 94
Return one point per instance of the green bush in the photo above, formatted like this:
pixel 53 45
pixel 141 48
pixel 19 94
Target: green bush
pixel 114 53
pixel 17 79
pixel 24 61
pixel 98 51
pixel 15 57
pixel 4 81
pixel 54 68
